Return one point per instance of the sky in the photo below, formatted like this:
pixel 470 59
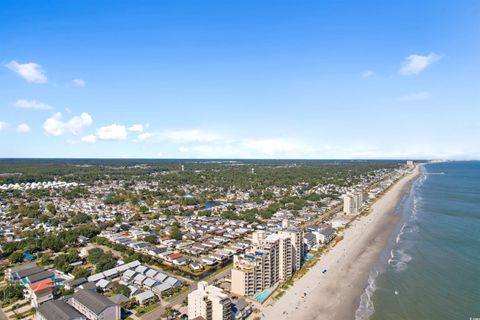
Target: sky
pixel 240 79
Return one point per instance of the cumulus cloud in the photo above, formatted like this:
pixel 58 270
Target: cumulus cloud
pixel 193 135
pixel 415 63
pixel 79 83
pixel 415 96
pixel 3 125
pixel 32 104
pixel 23 128
pixel 56 126
pixel 31 71
pixel 112 132
pixel 367 74
pixel 91 138
pixel 136 128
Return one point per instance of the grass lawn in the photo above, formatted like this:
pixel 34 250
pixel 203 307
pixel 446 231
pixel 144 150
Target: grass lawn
pixel 139 311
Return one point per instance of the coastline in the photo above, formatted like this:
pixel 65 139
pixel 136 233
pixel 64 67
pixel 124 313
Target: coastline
pixel 336 294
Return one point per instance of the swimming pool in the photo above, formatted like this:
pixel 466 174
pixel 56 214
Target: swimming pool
pixel 309 256
pixel 262 296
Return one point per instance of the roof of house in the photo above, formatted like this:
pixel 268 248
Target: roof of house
pixel 93 301
pixel 23 267
pixel 141 269
pixel 58 310
pixel 96 277
pixel 41 285
pixel 149 282
pixel 160 276
pixel 145 295
pixel 327 231
pixel 161 287
pixel 172 281
pixel 103 283
pixel 129 273
pixel 151 273
pixel 133 264
pixel 77 282
pixel 174 256
pixel 22 273
pixel 139 277
pixel 89 285
pixel 118 299
pixel 110 272
pixel 40 276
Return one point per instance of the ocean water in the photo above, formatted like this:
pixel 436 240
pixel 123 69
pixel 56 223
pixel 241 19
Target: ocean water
pixel 431 269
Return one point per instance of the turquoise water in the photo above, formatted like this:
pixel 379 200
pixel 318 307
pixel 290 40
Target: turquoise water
pixel 309 256
pixel 262 296
pixel 432 268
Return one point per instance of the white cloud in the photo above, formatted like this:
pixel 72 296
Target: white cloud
pixel 270 146
pixel 32 104
pixel 79 83
pixel 367 74
pixel 193 135
pixel 23 128
pixel 112 132
pixel 415 63
pixel 415 96
pixel 91 138
pixel 55 126
pixel 32 72
pixel 144 136
pixel 183 149
pixel 136 128
pixel 3 125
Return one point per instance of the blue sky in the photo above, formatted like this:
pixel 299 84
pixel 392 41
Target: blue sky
pixel 240 79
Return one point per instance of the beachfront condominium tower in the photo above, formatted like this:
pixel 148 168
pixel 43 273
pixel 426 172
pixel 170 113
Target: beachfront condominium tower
pixel 353 202
pixel 208 302
pixel 350 204
pixel 285 254
pixel 255 270
pixel 271 259
pixel 296 239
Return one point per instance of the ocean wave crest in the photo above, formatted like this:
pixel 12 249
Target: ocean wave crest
pixel 366 308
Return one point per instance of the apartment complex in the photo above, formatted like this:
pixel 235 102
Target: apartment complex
pixel 271 259
pixel 209 302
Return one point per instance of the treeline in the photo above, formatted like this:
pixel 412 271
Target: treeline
pixel 55 242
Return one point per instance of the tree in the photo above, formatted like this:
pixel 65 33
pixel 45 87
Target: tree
pixel 16 257
pixel 80 272
pixel 80 218
pixel 51 208
pixel 105 263
pixel 175 233
pixel 151 238
pixel 121 289
pixel 11 293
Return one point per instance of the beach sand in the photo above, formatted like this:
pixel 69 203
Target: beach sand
pixel 336 294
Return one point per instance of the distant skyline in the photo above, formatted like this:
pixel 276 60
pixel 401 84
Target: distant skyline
pixel 240 79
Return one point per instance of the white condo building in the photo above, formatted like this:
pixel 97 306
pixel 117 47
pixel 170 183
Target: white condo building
pixel 209 302
pixel 353 202
pixel 271 259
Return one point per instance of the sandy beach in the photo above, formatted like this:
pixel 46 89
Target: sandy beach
pixel 336 294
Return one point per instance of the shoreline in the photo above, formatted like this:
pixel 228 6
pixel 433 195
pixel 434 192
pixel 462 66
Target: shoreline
pixel 336 294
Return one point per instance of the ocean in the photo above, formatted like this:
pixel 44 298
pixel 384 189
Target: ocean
pixel 431 268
